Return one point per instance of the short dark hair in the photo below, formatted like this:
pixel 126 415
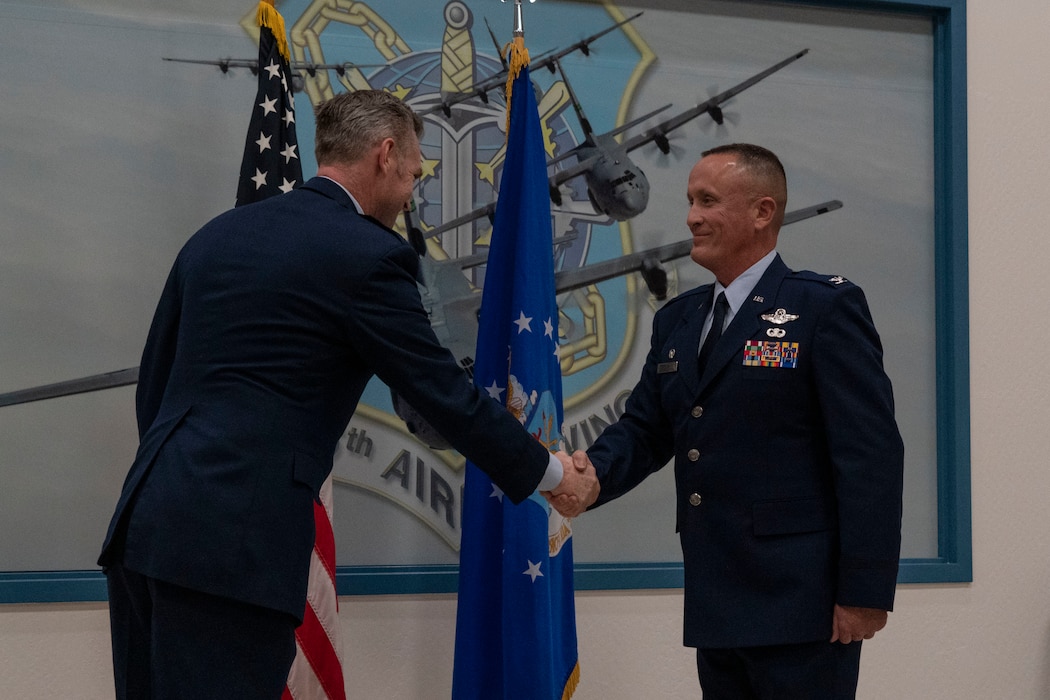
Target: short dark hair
pixel 762 161
pixel 352 123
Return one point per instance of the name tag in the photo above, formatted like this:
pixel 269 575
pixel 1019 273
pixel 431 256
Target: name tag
pixel 666 367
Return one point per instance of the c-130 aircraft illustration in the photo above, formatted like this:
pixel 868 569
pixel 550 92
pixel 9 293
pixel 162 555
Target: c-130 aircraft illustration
pixel 616 185
pixel 446 101
pixel 453 306
pixel 448 296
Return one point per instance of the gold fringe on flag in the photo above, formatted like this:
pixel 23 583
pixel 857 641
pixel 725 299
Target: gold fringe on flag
pixel 570 685
pixel 517 58
pixel 268 16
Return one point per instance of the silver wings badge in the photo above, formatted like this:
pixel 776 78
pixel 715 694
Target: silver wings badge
pixel 779 317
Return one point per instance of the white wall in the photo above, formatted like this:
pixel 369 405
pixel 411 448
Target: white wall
pixel 989 639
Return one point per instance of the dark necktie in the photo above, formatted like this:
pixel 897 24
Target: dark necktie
pixel 721 306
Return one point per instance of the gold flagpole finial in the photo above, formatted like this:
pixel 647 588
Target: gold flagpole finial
pixel 519 28
pixel 517 55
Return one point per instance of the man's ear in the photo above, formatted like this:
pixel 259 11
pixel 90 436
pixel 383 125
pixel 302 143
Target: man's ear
pixel 765 210
pixel 386 155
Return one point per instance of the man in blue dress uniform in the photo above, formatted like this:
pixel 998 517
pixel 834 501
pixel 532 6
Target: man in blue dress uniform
pixel 767 391
pixel 273 319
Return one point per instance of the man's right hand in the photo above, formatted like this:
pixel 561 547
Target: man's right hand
pixel 579 486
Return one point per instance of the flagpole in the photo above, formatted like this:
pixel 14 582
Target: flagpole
pixel 517 56
pixel 516 621
pixel 519 28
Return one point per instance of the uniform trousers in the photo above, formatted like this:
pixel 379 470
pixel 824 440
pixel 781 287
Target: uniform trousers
pixel 811 671
pixel 175 643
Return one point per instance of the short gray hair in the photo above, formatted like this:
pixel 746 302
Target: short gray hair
pixel 765 170
pixel 352 123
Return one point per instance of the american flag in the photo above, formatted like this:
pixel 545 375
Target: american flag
pixel 271 163
pixel 270 167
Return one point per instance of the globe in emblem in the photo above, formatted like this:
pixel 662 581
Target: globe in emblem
pixel 463 151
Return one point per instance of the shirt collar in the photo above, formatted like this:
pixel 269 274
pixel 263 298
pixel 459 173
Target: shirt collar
pixel 739 289
pixel 357 206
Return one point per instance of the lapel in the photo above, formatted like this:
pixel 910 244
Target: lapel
pixel 730 346
pixel 686 343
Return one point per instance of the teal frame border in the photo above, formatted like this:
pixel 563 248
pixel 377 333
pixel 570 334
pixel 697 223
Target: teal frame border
pixel 954 563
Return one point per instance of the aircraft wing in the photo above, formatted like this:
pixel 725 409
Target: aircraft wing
pixel 95 382
pixel 576 169
pixel 638 120
pixel 488 210
pixel 710 106
pixel 563 175
pixel 648 261
pixel 547 60
pixel 659 132
pixel 480 90
pixel 225 64
pixel 797 215
pixel 580 168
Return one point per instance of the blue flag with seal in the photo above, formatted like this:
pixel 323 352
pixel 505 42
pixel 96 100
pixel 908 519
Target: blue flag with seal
pixel 516 619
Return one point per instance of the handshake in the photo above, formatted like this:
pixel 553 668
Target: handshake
pixel 579 486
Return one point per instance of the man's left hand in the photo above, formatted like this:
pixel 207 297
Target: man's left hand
pixel 852 624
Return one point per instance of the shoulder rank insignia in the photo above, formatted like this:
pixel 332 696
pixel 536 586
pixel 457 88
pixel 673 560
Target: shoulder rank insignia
pixel 779 317
pixel 837 279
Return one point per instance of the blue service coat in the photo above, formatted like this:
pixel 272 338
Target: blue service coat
pixel 788 462
pixel 273 319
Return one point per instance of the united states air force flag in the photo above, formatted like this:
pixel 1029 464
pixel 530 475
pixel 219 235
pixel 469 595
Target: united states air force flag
pixel 516 621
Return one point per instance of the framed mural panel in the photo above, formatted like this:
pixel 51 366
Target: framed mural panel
pixel 871 116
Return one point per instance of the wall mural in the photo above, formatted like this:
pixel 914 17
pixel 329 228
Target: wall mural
pixel 629 96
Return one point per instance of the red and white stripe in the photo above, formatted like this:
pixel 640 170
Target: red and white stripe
pixel 317 672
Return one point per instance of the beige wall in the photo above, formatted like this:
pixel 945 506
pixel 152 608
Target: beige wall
pixel 989 639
